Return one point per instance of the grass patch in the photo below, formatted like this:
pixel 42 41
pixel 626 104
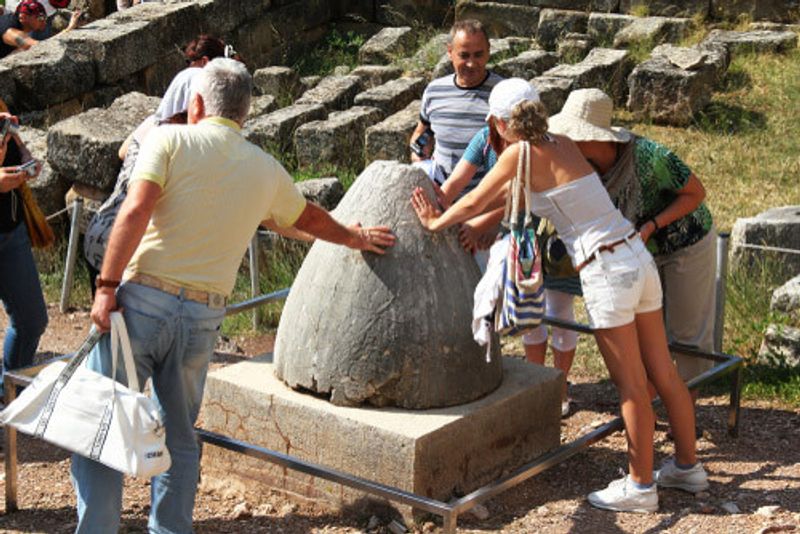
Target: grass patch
pixel 337 48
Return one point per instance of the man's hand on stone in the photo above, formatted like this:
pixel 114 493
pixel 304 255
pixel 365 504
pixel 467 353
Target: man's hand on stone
pixel 372 239
pixel 105 301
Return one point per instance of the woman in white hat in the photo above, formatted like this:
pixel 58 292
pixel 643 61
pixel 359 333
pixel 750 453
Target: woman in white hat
pixel 620 283
pixel 663 198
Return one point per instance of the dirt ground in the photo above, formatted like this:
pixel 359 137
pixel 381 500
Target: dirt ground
pixel 755 477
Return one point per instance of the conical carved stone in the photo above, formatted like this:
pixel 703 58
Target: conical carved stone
pixel 390 330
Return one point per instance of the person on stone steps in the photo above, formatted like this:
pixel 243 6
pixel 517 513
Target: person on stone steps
pixel 621 288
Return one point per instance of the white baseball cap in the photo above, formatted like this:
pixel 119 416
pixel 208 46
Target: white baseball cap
pixel 507 94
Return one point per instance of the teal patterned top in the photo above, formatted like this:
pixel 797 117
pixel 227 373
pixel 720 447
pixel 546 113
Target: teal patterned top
pixel 662 174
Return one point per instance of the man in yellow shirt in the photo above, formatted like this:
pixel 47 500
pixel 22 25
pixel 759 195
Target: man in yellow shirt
pixel 197 194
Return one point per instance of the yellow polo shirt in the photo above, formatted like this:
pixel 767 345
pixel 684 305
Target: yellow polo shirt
pixel 215 189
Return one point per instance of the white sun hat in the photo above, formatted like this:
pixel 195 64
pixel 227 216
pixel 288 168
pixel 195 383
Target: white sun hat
pixel 507 94
pixel 586 116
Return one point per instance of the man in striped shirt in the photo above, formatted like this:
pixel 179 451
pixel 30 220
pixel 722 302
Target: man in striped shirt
pixel 454 107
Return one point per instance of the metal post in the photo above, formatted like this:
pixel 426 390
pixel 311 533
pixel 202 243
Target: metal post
pixel 10 439
pixel 72 253
pixel 734 407
pixel 449 523
pixel 254 270
pixel 721 281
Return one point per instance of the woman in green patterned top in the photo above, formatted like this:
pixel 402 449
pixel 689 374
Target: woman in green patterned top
pixel 658 192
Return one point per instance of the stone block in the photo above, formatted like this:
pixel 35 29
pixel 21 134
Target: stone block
pixel 668 8
pixel 587 6
pixel 43 118
pixel 327 192
pixel 392 96
pixel 388 140
pixel 772 10
pixel 95 9
pixel 261 105
pixel 8 88
pixel 375 75
pixel 391 330
pixel 159 75
pixel 84 148
pixel 337 140
pixel 652 30
pixel 281 82
pixel 438 13
pixel 603 68
pixel 501 20
pixel 334 93
pixel 388 45
pixel 555 23
pixel 786 299
pixel 440 453
pixel 426 58
pixel 709 59
pixel 528 64
pixel 47 74
pixel 666 94
pixel 759 41
pixel 553 91
pixel 49 187
pixel 781 347
pixel 171 22
pixel 774 26
pixel 605 26
pixel 274 131
pixel 776 227
pixel 574 47
pixel 226 15
pixel 309 82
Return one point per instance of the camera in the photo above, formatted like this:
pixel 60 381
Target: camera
pixel 29 167
pixel 419 144
pixel 7 127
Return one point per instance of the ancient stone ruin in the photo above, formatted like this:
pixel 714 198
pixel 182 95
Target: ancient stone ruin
pixel 386 331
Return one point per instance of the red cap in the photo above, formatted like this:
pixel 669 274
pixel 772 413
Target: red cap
pixel 30 7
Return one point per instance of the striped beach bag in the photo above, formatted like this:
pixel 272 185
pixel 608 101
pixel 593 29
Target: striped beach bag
pixel 520 306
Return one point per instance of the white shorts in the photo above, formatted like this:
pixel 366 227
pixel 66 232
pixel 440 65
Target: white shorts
pixel 617 285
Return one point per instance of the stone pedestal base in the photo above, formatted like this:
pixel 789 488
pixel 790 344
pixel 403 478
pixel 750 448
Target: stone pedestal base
pixel 439 453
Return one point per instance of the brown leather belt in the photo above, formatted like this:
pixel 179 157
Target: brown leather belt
pixel 212 300
pixel 604 248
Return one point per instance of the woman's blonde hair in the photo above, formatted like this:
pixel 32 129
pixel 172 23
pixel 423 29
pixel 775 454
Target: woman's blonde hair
pixel 529 121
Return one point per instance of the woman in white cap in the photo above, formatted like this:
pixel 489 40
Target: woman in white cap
pixel 172 110
pixel 620 283
pixel 663 198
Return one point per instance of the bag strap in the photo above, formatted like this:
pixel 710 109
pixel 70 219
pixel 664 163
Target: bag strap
pixel 120 340
pixel 520 185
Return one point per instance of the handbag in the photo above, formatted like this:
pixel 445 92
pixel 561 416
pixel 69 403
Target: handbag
pixel 78 409
pixel 520 306
pixel 39 231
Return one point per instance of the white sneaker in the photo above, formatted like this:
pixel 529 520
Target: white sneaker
pixel 622 496
pixel 693 480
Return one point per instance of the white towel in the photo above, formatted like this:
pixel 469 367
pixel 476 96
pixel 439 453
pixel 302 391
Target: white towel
pixel 486 294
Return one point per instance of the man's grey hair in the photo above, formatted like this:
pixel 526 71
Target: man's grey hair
pixel 225 86
pixel 469 27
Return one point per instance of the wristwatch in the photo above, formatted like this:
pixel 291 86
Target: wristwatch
pixel 99 282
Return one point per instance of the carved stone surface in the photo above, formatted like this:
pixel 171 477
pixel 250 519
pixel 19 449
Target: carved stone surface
pixel 389 138
pixel 604 68
pixel 337 140
pixel 501 20
pixel 652 30
pixel 84 148
pixel 555 23
pixel 335 93
pixel 553 91
pixel 274 131
pixel 386 330
pixel 375 75
pixel 392 96
pixel 387 45
pixel 527 65
pixel 280 82
pixel 667 94
pixel 605 26
pixel 760 41
pixel 776 227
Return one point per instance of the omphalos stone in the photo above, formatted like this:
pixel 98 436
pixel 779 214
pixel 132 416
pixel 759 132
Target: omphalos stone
pixel 391 330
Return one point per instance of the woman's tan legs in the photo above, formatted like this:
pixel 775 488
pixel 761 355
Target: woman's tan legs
pixel 665 378
pixel 536 353
pixel 620 349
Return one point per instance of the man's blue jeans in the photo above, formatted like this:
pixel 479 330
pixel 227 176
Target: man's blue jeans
pixel 172 340
pixel 22 298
